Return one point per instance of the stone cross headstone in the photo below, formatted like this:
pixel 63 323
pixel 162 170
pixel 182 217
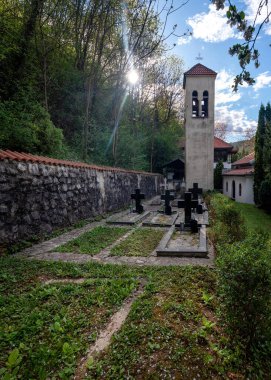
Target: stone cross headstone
pixel 167 197
pixel 137 196
pixel 188 203
pixel 195 190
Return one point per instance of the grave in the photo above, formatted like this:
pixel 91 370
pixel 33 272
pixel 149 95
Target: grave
pixel 195 190
pixel 167 197
pixel 178 243
pixel 188 203
pixel 137 196
pixel 156 219
pixel 127 218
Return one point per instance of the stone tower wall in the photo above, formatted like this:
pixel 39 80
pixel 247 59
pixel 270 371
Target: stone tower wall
pixel 199 134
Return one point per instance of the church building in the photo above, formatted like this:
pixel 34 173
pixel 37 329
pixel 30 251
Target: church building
pixel 199 86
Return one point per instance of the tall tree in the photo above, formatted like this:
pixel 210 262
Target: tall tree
pixel 259 161
pixel 267 143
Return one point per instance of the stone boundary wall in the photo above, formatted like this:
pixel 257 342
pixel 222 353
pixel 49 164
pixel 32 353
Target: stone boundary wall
pixel 36 198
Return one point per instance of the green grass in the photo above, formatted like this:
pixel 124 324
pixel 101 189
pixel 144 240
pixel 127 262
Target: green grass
pixel 94 241
pixel 141 242
pixel 255 218
pixel 45 328
pixel 171 331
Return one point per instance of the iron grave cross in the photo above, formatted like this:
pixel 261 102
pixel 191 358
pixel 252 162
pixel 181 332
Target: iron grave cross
pixel 187 204
pixel 167 197
pixel 137 197
pixel 195 190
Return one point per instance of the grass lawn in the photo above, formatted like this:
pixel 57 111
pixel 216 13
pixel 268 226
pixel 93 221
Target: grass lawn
pixel 45 328
pixel 94 241
pixel 171 332
pixel 141 242
pixel 255 218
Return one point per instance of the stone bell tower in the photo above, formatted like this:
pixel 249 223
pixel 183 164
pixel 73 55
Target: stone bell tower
pixel 199 85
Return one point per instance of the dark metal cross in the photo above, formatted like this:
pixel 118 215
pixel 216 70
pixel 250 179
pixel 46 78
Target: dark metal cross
pixel 137 197
pixel 195 190
pixel 188 203
pixel 167 197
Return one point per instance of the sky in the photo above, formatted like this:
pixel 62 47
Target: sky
pixel 211 39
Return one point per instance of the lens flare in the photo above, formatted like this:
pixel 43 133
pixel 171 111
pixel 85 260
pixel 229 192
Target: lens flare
pixel 133 76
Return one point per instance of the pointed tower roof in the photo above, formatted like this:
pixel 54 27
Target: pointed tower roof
pixel 199 70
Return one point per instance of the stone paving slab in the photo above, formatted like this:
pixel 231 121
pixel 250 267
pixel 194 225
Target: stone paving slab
pixel 156 219
pixel 203 219
pixel 50 245
pixel 125 260
pixel 170 248
pixel 129 218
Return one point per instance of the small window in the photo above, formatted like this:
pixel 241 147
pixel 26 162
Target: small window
pixel 227 186
pixel 195 104
pixel 240 190
pixel 204 104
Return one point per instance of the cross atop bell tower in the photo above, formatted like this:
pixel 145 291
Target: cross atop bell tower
pixel 199 85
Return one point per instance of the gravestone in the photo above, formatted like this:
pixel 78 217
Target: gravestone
pixel 167 197
pixel 188 203
pixel 137 196
pixel 195 190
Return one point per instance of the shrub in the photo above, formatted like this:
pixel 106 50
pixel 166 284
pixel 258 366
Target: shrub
pixel 26 126
pixel 227 222
pixel 244 285
pixel 265 194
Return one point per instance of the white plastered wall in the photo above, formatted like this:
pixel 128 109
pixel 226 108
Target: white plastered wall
pixel 246 183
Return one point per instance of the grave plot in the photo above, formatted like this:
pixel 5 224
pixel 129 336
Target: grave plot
pixel 92 242
pixel 128 218
pixel 142 242
pixel 168 333
pixel 47 328
pixel 157 219
pixel 178 243
pixel 202 219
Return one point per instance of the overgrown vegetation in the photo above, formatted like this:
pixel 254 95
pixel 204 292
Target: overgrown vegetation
pixel 94 241
pixel 244 283
pixel 142 242
pixel 45 329
pixel 64 88
pixel 172 329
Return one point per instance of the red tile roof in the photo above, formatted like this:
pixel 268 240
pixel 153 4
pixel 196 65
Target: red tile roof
pixel 221 144
pixel 240 172
pixel 200 69
pixel 27 157
pixel 218 144
pixel 245 160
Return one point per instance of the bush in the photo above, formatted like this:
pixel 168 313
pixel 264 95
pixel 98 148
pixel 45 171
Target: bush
pixel 265 194
pixel 26 126
pixel 228 225
pixel 244 285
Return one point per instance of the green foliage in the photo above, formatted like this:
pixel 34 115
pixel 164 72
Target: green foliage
pixel 259 144
pixel 218 179
pixel 265 194
pixel 244 278
pixel 262 174
pixel 26 126
pixel 63 82
pixel 228 224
